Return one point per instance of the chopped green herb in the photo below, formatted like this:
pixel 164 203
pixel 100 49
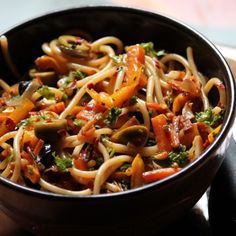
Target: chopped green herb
pixel 149 48
pixel 99 116
pixel 79 123
pixel 117 59
pixel 73 45
pixel 67 81
pixel 46 92
pixel 99 161
pixel 62 163
pixel 110 151
pixel 133 100
pixel 125 167
pixel 161 53
pixel 179 156
pixel 150 113
pixel 79 75
pixel 151 142
pixel 150 51
pixel 208 117
pixel 104 138
pixel 30 169
pixel 64 97
pixel 10 158
pixel 24 122
pixel 113 115
pixel 125 184
pixel 85 99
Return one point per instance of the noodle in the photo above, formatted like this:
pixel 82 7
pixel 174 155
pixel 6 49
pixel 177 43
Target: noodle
pixel 97 117
pixel 106 169
pixel 55 189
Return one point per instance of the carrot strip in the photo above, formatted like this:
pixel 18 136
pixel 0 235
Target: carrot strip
pixel 57 108
pixel 38 147
pixel 163 141
pixel 159 107
pixel 158 174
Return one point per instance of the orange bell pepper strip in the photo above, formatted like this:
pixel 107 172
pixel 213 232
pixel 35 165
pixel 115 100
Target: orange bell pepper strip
pixel 187 136
pixel 179 101
pixel 211 136
pixel 80 163
pixel 158 174
pixel 6 125
pixel 114 100
pixel 159 107
pixel 135 60
pixel 22 111
pixel 118 97
pixel 12 119
pixel 163 141
pixel 47 62
pixel 137 171
pixel 57 108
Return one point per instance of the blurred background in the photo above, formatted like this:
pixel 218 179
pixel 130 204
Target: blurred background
pixel 215 19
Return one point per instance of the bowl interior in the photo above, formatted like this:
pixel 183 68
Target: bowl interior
pixel 131 26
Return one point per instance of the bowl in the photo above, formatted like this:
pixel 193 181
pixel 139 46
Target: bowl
pixel 147 209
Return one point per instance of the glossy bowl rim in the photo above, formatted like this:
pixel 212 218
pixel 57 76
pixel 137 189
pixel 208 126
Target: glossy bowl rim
pixel 226 127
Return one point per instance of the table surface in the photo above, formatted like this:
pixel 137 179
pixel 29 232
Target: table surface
pixel 214 24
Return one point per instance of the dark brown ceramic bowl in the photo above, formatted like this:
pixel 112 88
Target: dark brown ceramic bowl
pixel 143 210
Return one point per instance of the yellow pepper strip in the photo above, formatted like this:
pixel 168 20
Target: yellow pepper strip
pixel 211 136
pixel 6 125
pixel 179 101
pixel 22 110
pixel 19 113
pixel 137 172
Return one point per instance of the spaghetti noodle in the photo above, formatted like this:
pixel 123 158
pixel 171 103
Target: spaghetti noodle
pixel 98 117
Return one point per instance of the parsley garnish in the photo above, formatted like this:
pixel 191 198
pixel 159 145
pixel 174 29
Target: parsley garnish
pixel 150 51
pixel 133 100
pixel 208 117
pixel 110 151
pixel 117 59
pixel 113 115
pixel 10 158
pixel 179 156
pixel 79 75
pixel 62 163
pixel 24 122
pixel 79 123
pixel 124 167
pixel 46 92
pixel 149 48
